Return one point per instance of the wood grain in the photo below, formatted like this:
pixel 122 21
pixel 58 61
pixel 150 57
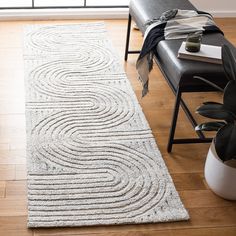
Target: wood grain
pixel 210 215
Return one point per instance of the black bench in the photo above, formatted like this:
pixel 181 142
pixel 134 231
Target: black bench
pixel 178 73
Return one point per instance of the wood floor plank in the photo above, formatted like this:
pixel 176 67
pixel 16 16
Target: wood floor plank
pixel 191 199
pixel 16 232
pixel 188 181
pixel 17 156
pixel 4 145
pixel 200 218
pixel 15 189
pixel 229 231
pixel 7 172
pixel 21 172
pixel 2 189
pixel 178 163
pixel 14 225
pixel 13 206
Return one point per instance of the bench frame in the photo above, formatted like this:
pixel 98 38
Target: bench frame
pixel 178 101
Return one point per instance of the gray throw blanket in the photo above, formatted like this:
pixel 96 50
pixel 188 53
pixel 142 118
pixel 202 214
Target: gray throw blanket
pixel 173 24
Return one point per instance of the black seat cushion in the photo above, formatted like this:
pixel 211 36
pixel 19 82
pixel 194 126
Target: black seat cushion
pixel 180 72
pixel 144 10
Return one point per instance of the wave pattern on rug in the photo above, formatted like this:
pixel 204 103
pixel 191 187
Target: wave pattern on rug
pixel 92 158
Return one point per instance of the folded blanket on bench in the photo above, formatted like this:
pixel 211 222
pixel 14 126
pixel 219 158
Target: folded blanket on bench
pixel 173 24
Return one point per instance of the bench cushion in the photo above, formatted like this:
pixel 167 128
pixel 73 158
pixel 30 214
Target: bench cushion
pixel 179 72
pixel 143 10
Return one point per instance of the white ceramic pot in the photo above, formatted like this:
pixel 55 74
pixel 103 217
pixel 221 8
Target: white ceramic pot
pixel 220 177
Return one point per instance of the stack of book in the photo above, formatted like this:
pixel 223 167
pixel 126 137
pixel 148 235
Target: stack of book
pixel 207 53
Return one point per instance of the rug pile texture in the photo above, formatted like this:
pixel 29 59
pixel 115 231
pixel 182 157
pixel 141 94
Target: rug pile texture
pixel 91 156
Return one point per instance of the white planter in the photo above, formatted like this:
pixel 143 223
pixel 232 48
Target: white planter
pixel 220 177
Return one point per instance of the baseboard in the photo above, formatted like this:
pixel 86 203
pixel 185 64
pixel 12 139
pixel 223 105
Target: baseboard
pixel 54 14
pixel 89 13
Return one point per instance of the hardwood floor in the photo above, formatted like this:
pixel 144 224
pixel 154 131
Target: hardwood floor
pixel 210 215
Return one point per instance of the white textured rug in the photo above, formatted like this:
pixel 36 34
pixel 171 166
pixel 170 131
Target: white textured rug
pixel 92 158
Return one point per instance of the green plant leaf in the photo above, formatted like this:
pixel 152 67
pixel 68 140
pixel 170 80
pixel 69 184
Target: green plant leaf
pixel 216 111
pixel 210 126
pixel 229 63
pixel 208 103
pixel 225 142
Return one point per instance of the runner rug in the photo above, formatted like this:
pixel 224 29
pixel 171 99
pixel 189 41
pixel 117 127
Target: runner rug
pixel 92 158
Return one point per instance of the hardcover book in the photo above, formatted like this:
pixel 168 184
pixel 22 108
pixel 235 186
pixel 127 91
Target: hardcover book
pixel 207 53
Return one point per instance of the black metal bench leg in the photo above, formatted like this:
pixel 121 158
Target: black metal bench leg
pixel 174 121
pixel 128 37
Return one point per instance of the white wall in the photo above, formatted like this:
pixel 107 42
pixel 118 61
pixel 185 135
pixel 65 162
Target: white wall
pixel 220 8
